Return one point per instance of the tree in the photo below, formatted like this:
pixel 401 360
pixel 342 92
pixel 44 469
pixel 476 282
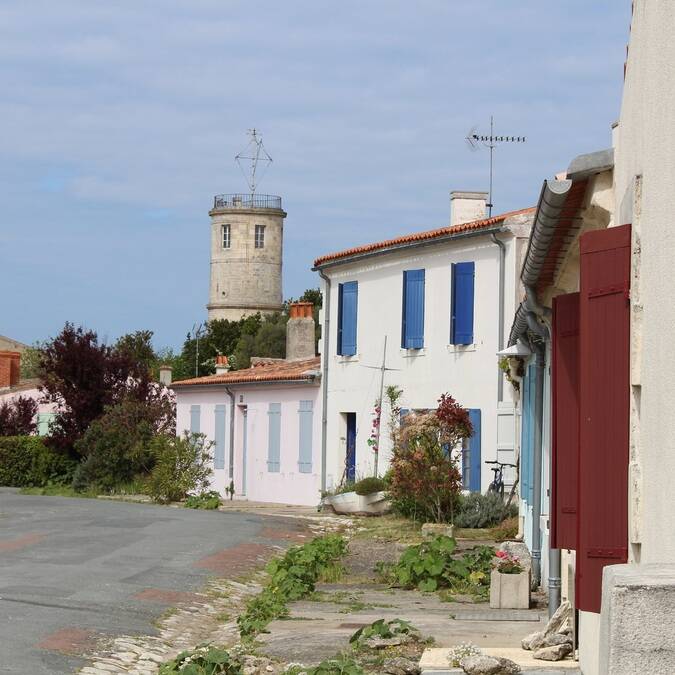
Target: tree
pixel 423 470
pixel 18 417
pixel 138 347
pixel 83 377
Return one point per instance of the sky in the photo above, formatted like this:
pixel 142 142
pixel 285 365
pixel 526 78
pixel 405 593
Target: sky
pixel 120 120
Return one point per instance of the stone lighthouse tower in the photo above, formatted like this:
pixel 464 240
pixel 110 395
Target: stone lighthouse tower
pixel 246 248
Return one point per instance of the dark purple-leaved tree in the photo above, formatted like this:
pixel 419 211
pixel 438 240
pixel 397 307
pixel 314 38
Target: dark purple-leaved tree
pixel 84 377
pixel 18 417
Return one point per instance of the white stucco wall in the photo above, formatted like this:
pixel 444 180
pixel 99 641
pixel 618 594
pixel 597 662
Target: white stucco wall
pixel 288 486
pixel 469 373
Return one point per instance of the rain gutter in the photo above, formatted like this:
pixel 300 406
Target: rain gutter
pixel 325 349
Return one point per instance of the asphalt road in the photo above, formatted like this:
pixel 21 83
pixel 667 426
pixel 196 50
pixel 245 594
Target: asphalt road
pixel 70 568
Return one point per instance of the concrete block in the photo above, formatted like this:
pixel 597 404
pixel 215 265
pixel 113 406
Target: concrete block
pixel 637 622
pixel 509 591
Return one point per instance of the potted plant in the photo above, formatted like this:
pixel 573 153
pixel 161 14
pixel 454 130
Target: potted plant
pixel 509 583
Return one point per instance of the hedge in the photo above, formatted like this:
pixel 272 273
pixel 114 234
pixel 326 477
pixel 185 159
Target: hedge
pixel 25 461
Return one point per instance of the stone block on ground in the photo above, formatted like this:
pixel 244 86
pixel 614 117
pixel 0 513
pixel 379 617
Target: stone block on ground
pixel 431 530
pixel 560 620
pixel 509 591
pixel 489 665
pixel 540 639
pixel 518 549
pixel 401 666
pixel 553 653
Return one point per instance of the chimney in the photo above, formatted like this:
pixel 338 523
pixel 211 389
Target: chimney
pixel 300 332
pixel 10 368
pixel 222 365
pixel 466 207
pixel 165 375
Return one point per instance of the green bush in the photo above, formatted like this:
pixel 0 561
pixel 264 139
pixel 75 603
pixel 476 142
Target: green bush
pixel 366 486
pixel 477 511
pixel 430 565
pixel 205 500
pixel 205 660
pixel 182 465
pixel 291 577
pixel 342 664
pixel 25 461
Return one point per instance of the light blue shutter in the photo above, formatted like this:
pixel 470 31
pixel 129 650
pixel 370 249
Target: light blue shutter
pixel 474 451
pixel 527 436
pixel 195 412
pixel 462 303
pixel 306 426
pixel 530 460
pixel 274 437
pixel 348 300
pixel 412 328
pixel 219 455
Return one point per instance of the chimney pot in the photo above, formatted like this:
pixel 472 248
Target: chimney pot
pixel 165 375
pixel 300 332
pixel 10 368
pixel 222 364
pixel 466 207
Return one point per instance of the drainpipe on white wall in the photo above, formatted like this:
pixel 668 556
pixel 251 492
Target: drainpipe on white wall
pixel 325 355
pixel 502 267
pixel 231 468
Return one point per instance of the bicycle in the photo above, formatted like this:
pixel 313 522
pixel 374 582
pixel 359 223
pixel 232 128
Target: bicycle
pixel 497 484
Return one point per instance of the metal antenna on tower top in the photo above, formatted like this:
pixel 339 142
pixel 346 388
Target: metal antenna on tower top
pixel 253 154
pixel 473 139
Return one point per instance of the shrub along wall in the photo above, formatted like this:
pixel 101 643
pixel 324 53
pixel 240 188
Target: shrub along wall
pixel 25 461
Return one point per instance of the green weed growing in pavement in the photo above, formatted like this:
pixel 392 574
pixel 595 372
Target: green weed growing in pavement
pixel 204 500
pixel 204 660
pixel 292 577
pixel 430 566
pixel 342 664
pixel 383 629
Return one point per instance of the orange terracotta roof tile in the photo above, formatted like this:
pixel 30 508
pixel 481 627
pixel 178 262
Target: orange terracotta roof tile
pixel 272 372
pixel 485 223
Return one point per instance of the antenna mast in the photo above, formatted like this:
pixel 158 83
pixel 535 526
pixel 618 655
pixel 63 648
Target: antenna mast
pixel 491 142
pixel 254 153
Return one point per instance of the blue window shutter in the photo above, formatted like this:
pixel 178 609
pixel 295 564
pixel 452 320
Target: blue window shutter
pixel 462 303
pixel 412 328
pixel 348 300
pixel 274 437
pixel 219 454
pixel 306 427
pixel 474 451
pixel 195 412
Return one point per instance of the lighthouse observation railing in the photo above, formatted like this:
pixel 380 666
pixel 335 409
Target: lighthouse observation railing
pixel 247 201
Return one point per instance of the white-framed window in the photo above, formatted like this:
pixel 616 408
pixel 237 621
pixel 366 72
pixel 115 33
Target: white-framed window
pixel 226 236
pixel 260 236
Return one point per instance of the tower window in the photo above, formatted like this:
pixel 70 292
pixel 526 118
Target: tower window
pixel 260 236
pixel 226 236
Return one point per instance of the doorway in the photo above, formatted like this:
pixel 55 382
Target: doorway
pixel 350 459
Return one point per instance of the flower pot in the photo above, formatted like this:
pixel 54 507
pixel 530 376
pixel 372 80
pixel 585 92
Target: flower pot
pixel 349 503
pixel 509 591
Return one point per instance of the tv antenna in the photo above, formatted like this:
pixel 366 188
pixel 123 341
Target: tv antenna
pixel 249 159
pixel 473 139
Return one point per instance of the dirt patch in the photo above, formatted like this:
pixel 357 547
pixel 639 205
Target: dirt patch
pixel 237 560
pixel 72 641
pixel 166 596
pixel 20 542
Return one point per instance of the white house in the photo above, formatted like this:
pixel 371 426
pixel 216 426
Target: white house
pixel 442 301
pixel 599 311
pixel 264 421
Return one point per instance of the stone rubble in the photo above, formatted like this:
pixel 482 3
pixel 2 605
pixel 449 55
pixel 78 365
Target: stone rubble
pixel 489 665
pixel 554 653
pixel 401 666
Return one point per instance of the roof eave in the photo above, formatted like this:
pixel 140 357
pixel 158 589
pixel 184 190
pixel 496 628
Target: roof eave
pixel 245 383
pixel 407 245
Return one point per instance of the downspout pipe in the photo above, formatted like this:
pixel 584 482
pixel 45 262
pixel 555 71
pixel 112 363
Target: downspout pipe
pixel 231 467
pixel 502 269
pixel 540 363
pixel 325 349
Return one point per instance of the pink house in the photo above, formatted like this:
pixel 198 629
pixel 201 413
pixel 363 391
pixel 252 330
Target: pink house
pixel 264 421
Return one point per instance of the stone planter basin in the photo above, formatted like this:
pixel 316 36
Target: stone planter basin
pixel 509 591
pixel 347 503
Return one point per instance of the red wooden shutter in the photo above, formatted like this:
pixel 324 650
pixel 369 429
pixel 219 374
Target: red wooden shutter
pixel 604 407
pixel 565 385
